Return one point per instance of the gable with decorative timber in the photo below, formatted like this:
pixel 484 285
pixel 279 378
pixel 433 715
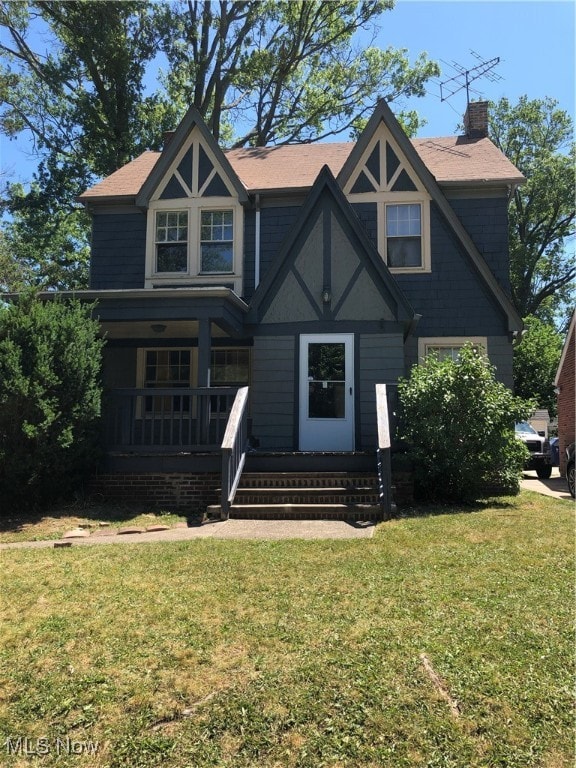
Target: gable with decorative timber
pixel 384 177
pixel 329 272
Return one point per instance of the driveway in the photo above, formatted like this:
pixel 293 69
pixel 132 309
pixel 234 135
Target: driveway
pixel 556 486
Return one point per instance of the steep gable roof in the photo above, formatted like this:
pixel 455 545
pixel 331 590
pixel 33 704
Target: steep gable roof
pixel 326 190
pixel 191 120
pixel 383 114
pixel 451 161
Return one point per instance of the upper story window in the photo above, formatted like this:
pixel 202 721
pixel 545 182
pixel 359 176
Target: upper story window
pixel 172 241
pixel 404 235
pixel 384 181
pixel 216 241
pixel 196 241
pixel 195 228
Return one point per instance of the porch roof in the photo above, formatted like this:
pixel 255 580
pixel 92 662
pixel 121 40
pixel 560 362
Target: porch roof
pixel 156 305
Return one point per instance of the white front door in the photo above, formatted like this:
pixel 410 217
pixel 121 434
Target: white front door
pixel 327 392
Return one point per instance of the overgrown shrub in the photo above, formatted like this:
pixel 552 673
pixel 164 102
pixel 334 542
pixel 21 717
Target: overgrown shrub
pixel 50 360
pixel 459 422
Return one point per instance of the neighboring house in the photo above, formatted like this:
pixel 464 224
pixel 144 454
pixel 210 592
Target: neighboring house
pixel 540 420
pixel 564 383
pixel 308 272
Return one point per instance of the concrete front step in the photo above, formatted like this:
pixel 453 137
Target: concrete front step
pixel 352 512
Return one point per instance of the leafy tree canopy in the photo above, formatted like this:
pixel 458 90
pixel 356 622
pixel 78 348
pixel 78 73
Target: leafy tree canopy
pixel 259 71
pixel 536 360
pixel 272 72
pixel 537 137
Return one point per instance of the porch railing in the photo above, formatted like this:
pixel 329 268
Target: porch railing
pixel 234 450
pixel 383 453
pixel 166 419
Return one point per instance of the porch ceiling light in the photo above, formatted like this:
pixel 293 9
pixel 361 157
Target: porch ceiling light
pixel 158 327
pixel 326 296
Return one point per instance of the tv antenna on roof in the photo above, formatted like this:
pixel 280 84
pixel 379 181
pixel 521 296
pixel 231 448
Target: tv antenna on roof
pixel 466 76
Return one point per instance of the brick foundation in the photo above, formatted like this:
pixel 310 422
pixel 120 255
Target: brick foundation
pixel 174 491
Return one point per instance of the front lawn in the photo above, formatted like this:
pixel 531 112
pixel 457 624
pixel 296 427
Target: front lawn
pixel 298 654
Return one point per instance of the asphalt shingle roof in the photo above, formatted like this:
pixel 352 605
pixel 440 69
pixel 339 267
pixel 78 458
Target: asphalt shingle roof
pixel 453 160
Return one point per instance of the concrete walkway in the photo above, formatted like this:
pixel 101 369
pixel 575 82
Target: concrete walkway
pixel 556 486
pixel 227 529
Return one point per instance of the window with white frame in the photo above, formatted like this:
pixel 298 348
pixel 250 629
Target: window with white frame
pixel 386 183
pixel 167 369
pixel 404 235
pixel 216 241
pixel 174 368
pixel 193 241
pixel 449 347
pixel 172 241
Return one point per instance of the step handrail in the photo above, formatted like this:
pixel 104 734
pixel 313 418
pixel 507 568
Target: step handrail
pixel 383 452
pixel 233 450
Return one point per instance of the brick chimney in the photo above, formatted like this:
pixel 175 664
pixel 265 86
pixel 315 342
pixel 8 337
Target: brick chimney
pixel 168 136
pixel 476 120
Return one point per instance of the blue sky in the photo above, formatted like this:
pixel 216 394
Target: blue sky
pixel 534 40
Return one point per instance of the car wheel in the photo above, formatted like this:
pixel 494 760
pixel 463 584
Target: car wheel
pixel 570 478
pixel 544 473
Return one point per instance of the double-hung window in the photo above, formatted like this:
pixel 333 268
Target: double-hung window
pixel 404 235
pixel 167 369
pixel 216 241
pixel 194 242
pixel 172 241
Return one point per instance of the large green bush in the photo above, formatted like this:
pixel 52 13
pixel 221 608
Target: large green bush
pixel 50 360
pixel 459 422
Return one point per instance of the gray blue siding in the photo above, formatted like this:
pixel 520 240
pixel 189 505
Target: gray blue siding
pixel 275 224
pixel 381 362
pixel 272 391
pixel 452 298
pixel 119 367
pixel 486 221
pixel 118 251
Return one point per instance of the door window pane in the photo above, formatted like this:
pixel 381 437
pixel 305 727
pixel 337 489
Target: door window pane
pixel 326 381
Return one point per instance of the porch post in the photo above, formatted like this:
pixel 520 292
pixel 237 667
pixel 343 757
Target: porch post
pixel 204 344
pixel 204 348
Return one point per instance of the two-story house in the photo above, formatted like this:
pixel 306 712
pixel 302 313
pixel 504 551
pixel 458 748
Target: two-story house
pixel 309 273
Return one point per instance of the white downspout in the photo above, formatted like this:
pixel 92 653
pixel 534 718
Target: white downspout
pixel 257 245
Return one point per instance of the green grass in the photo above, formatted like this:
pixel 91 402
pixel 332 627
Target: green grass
pixel 300 654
